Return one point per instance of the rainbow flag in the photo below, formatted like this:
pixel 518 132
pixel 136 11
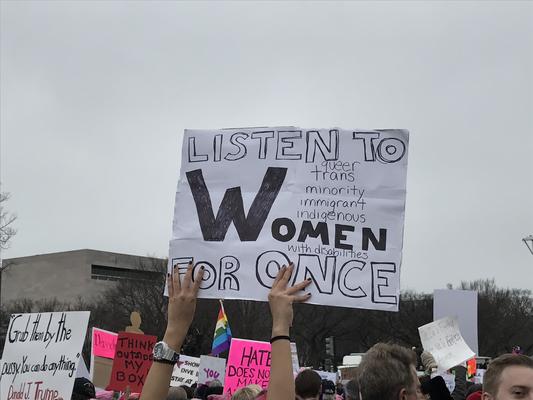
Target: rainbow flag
pixel 222 337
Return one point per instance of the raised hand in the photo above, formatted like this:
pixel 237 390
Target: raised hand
pixel 181 303
pixel 281 298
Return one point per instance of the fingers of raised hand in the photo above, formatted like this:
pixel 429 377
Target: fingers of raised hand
pixel 279 276
pixel 187 281
pixel 176 282
pixel 301 299
pixel 284 280
pixel 170 286
pixel 198 280
pixel 300 286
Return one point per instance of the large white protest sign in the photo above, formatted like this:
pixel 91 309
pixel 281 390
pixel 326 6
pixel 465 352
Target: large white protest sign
pixel 211 369
pixel 185 371
pixel 461 304
pixel 330 200
pixel 41 355
pixel 442 338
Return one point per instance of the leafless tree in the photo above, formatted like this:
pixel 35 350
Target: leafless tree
pixel 505 317
pixel 7 231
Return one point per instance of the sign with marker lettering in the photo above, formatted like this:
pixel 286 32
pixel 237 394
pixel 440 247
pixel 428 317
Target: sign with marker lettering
pixel 443 339
pixel 41 355
pixel 248 363
pixel 211 369
pixel 132 361
pixel 104 343
pixel 185 371
pixel 330 200
pixel 103 346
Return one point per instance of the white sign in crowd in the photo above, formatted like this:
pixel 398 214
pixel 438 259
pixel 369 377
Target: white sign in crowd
pixel 41 355
pixel 443 339
pixel 331 200
pixel 211 369
pixel 185 371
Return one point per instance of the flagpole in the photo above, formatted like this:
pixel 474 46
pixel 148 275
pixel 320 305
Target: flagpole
pixel 224 311
pixel 222 336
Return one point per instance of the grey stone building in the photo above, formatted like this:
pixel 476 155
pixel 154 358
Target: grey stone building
pixel 70 275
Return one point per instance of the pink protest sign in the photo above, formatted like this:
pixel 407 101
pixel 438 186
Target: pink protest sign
pixel 248 363
pixel 104 343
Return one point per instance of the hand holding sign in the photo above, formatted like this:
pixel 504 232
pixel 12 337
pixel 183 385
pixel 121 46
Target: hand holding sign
pixel 442 338
pixel 281 298
pixel 181 308
pixel 181 304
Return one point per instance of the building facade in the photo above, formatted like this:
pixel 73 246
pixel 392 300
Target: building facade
pixel 71 275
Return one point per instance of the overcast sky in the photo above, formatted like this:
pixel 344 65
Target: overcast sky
pixel 95 96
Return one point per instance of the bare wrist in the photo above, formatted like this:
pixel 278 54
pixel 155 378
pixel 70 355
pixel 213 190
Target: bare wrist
pixel 174 338
pixel 280 331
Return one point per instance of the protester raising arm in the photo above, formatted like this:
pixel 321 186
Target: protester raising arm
pixel 280 298
pixel 181 307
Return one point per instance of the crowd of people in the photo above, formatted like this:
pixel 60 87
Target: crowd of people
pixel 387 371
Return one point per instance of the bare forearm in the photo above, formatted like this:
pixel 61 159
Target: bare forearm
pixel 157 382
pixel 281 385
pixel 281 298
pixel 158 379
pixel 181 307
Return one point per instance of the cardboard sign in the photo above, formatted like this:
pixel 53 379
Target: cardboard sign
pixel 104 343
pixel 463 305
pixel 185 371
pixel 442 338
pixel 250 200
pixel 248 363
pixel 103 347
pixel 101 372
pixel 211 368
pixel 41 355
pixel 132 361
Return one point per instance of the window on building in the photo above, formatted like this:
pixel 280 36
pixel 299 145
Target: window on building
pixel 105 273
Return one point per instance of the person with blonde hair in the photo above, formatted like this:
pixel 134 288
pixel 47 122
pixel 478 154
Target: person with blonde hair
pixel 249 392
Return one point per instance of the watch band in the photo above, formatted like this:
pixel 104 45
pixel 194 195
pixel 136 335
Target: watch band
pixel 281 337
pixel 166 361
pixel 164 353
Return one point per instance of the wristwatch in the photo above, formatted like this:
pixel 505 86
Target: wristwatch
pixel 164 354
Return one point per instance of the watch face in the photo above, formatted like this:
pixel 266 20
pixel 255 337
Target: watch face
pixel 158 350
